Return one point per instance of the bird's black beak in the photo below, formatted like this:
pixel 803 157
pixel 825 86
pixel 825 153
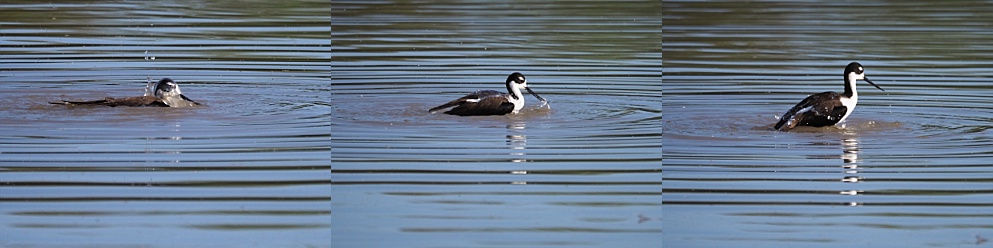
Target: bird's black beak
pixel 534 94
pixel 188 99
pixel 870 82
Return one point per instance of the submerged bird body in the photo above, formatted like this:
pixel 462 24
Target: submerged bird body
pixel 137 101
pixel 491 102
pixel 164 93
pixel 827 108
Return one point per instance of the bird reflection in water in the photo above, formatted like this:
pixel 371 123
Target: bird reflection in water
pixel 517 142
pixel 850 163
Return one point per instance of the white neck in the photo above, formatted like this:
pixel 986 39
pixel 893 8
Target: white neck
pixel 851 83
pixel 850 102
pixel 519 102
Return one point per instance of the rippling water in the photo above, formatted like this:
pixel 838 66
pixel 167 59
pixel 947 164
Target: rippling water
pixel 302 145
pixel 584 172
pixel 910 168
pixel 250 168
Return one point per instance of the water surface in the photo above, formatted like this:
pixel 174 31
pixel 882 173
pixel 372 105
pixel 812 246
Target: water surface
pixel 909 168
pixel 250 168
pixel 256 166
pixel 582 173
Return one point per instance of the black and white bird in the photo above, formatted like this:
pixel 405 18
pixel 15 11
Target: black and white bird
pixel 164 93
pixel 168 92
pixel 828 108
pixel 491 102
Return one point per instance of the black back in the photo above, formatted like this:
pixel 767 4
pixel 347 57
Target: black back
pixel 138 101
pixel 489 103
pixel 825 109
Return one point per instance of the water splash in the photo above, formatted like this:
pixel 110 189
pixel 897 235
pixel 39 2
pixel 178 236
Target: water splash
pixel 544 104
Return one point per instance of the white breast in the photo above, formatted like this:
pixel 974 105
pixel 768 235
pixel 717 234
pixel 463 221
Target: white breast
pixel 850 103
pixel 518 103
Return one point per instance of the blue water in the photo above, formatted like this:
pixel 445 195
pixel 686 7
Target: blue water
pixel 909 168
pixel 249 169
pixel 582 172
pixel 316 132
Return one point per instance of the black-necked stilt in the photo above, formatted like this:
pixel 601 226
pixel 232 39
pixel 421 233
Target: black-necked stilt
pixel 828 108
pixel 164 93
pixel 491 102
